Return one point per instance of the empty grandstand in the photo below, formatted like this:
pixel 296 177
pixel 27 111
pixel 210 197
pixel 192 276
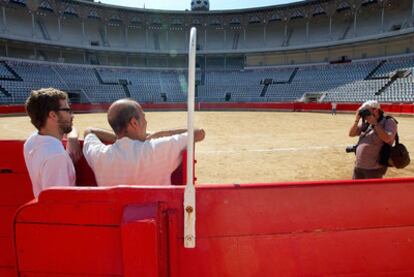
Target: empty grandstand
pixel 389 80
pixel 318 50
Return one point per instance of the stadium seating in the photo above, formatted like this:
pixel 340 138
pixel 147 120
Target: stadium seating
pixel 350 82
pixel 256 33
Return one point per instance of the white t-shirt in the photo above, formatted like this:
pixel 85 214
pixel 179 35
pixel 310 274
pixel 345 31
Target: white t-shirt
pixel 48 163
pixel 134 162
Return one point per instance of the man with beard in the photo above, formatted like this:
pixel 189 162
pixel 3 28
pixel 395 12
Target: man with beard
pixel 48 163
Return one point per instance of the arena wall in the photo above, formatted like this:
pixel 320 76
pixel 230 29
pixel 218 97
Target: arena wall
pixel 290 107
pixel 370 48
pixel 364 224
pixel 309 31
pixel 362 50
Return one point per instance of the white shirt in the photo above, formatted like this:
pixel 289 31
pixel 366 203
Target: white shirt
pixel 134 162
pixel 48 163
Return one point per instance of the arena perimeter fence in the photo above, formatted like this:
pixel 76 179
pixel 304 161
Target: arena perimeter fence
pixel 395 108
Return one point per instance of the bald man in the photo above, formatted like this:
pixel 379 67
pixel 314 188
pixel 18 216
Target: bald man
pixel 135 157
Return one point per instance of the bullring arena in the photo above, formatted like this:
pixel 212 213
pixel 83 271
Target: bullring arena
pixel 255 146
pixel 273 195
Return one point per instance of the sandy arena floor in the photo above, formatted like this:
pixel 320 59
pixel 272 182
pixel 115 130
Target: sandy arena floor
pixel 255 147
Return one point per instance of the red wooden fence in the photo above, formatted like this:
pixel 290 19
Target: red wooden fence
pixel 294 106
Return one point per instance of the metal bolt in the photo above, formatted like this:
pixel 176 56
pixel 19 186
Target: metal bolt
pixel 189 209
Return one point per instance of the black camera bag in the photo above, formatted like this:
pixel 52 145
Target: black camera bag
pixel 397 155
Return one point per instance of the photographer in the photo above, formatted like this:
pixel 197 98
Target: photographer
pixel 373 131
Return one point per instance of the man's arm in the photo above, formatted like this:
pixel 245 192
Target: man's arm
pixel 73 146
pixel 355 130
pixel 383 135
pixel 199 134
pixel 102 134
pixel 165 133
pixel 168 150
pixel 58 171
pixel 386 136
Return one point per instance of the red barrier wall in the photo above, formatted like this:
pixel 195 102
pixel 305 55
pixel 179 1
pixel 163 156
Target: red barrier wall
pixel 245 106
pixel 337 228
pixel 12 109
pixel 293 106
pixel 16 190
pixel 296 106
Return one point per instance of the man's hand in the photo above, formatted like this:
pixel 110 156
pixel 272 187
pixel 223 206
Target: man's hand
pixel 355 130
pixel 104 135
pixel 73 146
pixel 199 134
pixel 357 116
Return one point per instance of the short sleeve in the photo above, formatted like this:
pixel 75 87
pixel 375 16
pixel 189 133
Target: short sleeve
pixel 58 171
pixel 91 147
pixel 390 127
pixel 168 150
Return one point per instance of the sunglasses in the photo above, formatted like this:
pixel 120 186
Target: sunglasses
pixel 69 110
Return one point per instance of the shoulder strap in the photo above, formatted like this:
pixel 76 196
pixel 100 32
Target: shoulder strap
pixel 391 117
pixel 397 139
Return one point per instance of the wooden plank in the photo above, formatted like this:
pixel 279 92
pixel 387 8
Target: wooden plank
pixel 7 258
pixel 8 272
pixel 68 249
pixel 143 241
pixel 16 189
pixel 369 252
pixel 11 156
pixel 90 213
pixel 140 248
pixel 45 274
pixel 6 220
pixel 267 210
pixel 273 209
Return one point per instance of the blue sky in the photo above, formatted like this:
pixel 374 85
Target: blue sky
pixel 185 4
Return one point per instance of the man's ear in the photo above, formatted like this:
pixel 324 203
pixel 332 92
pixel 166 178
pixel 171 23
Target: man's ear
pixel 52 115
pixel 133 122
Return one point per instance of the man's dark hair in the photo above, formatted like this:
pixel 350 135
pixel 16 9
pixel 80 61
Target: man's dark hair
pixel 41 102
pixel 119 122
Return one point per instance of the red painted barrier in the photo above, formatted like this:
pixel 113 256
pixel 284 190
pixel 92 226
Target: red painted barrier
pixel 245 106
pixel 204 106
pixel 298 106
pixel 12 109
pixel 16 189
pixel 293 229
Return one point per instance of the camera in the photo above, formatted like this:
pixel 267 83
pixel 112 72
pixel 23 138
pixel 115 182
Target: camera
pixel 364 112
pixel 351 148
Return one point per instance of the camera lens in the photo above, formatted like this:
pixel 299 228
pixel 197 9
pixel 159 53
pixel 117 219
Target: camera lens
pixel 364 112
pixel 351 148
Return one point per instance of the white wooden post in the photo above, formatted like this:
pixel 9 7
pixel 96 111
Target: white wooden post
pixel 189 192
